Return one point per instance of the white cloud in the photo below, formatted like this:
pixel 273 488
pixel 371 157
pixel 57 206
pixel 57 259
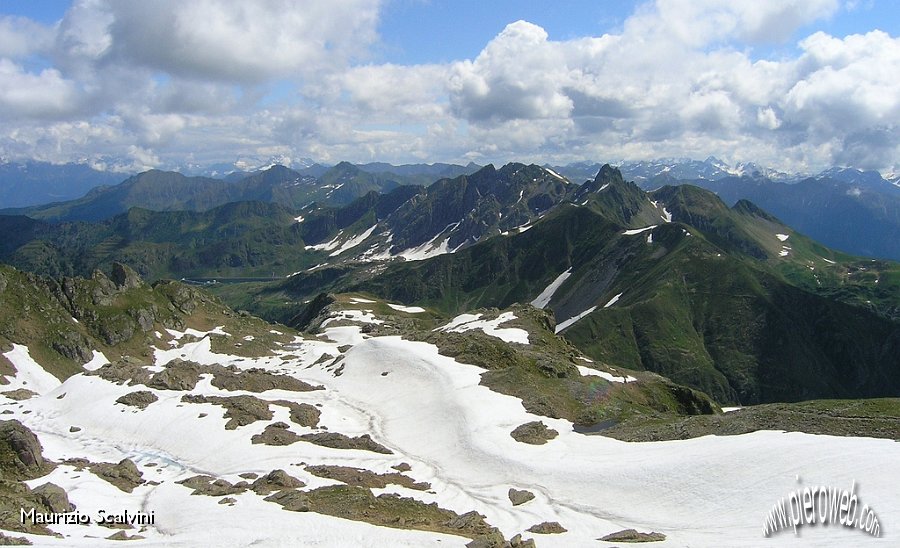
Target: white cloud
pixel 212 80
pixel 241 41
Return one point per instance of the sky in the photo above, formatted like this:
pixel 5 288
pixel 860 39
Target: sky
pixel 796 85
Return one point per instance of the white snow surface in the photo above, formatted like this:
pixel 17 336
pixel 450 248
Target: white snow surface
pixel 99 360
pixel 612 301
pixel 542 300
pixel 327 246
pixel 590 372
pixel 782 237
pixel 434 414
pixel 407 309
pixel 353 242
pixel 29 373
pixel 562 325
pixel 666 216
pixel 634 231
pixel 468 322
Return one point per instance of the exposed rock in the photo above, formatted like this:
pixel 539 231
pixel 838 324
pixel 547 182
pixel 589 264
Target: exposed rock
pixel 126 370
pixel 547 528
pixel 20 394
pixel 535 433
pixel 366 478
pixel 13 541
pixel 257 380
pixel 140 399
pixel 494 539
pixel 291 499
pixel 178 375
pixel 210 486
pixel 402 467
pixel 20 453
pixel 340 441
pixel 124 475
pixel 228 500
pixel 54 498
pixel 241 410
pixel 303 414
pixel 276 434
pixel 631 535
pixel 122 535
pixel 73 345
pixel 517 497
pixel 73 429
pixel 276 480
pixel 518 542
pixel 124 277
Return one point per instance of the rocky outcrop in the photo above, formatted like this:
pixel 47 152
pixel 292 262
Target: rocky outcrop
pixel 21 455
pixel 276 480
pixel 534 433
pixel 340 441
pixel 257 380
pixel 140 399
pixel 547 528
pixel 517 497
pixel 276 434
pixel 124 475
pixel 303 414
pixel 178 375
pixel 54 498
pixel 631 535
pixel 240 410
pixel 366 478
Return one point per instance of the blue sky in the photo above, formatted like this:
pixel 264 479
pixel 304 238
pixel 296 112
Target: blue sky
pixel 793 84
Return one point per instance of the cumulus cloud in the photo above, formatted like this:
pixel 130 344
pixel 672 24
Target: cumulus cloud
pixel 213 80
pixel 241 41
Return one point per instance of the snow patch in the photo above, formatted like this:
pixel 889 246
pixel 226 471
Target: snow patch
pixel 588 372
pixel 563 325
pixel 353 242
pixel 612 301
pixel 327 246
pixel 634 231
pixel 407 309
pixel 782 237
pixel 29 373
pixel 542 300
pixel 98 361
pixel 468 322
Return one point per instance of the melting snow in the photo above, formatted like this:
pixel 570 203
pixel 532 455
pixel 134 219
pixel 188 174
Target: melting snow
pixel 327 246
pixel 563 325
pixel 782 237
pixel 29 373
pixel 468 322
pixel 612 301
pixel 353 242
pixel 542 300
pixel 666 216
pixel 827 261
pixel 602 188
pixel 99 360
pixel 362 316
pixel 407 309
pixel 588 372
pixel 299 218
pixel 634 231
pixel 358 300
pixel 650 238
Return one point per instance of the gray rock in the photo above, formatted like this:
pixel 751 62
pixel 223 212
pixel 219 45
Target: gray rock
pixel 631 535
pixel 124 475
pixel 124 277
pixel 20 452
pixel 54 497
pixel 517 497
pixel 140 399
pixel 276 480
pixel 547 528
pixel 290 499
pixel 534 433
